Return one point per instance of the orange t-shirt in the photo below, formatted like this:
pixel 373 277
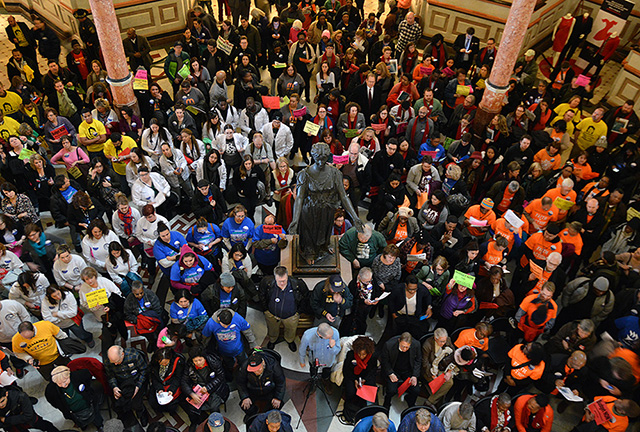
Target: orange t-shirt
pixel 555 193
pixel 548 162
pixel 632 358
pixel 540 247
pixel 474 212
pixel 583 172
pixel 576 240
pixel 410 265
pixel 590 191
pixel 468 337
pixel 506 201
pixel 500 227
pixel 540 216
pixel 401 233
pixel 520 373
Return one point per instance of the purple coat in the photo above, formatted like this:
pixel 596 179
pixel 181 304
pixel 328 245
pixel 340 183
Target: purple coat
pixel 451 303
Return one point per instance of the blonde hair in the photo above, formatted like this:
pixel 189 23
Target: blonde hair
pixel 37 157
pixel 454 172
pixel 383 69
pixel 102 103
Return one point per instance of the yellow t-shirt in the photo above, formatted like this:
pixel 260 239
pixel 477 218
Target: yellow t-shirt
pixel 590 131
pixel 125 149
pixel 10 103
pixel 17 32
pixel 8 128
pixel 564 107
pixel 91 131
pixel 42 346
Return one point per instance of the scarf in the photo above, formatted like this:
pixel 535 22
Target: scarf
pixel 41 246
pixel 438 54
pixel 361 364
pixel 497 418
pixel 127 218
pixel 332 62
pixel 424 135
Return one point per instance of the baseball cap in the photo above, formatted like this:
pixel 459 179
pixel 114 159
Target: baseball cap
pixel 336 283
pixel 530 53
pixel 216 422
pixel 255 360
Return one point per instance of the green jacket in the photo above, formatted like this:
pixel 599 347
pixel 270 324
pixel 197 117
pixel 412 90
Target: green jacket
pixel 349 246
pixel 171 64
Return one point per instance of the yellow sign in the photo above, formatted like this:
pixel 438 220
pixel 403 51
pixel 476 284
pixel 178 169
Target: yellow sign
pixel 311 128
pixel 97 297
pixel 563 204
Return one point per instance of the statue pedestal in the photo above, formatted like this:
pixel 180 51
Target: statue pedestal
pixel 319 271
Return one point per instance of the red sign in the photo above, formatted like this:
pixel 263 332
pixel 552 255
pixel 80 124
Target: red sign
pixel 272 229
pixel 271 102
pixel 59 132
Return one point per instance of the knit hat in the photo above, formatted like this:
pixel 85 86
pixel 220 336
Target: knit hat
pixel 487 203
pixel 216 422
pixel 227 280
pixel 476 155
pixel 553 229
pixel 405 212
pixel 327 34
pixel 601 284
pixel 602 142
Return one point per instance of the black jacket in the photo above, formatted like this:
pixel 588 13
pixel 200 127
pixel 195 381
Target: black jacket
pixel 81 382
pixel 271 383
pixel 260 423
pixel 361 97
pixel 398 300
pixel 18 411
pixel 390 356
pixel 483 415
pixel 26 31
pixel 173 379
pixel 216 382
pixel 152 304
pixel 210 299
pixel 368 375
pixel 73 95
pixel 300 292
pixel 60 206
pixel 460 42
pixel 555 370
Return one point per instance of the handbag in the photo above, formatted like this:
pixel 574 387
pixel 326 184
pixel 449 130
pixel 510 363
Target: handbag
pixel 70 346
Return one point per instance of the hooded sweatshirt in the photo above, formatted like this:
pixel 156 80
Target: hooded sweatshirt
pixel 183 277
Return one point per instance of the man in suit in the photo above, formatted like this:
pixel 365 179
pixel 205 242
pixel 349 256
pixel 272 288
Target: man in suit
pixel 137 48
pixel 368 96
pixel 22 38
pixel 466 47
pixel 401 360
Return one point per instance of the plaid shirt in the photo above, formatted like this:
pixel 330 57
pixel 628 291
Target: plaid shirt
pixel 133 367
pixel 407 33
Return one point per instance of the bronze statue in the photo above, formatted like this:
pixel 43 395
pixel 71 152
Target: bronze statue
pixel 320 192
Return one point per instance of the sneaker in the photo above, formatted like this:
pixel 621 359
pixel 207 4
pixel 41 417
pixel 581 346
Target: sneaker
pixel 91 343
pixel 292 346
pixel 271 345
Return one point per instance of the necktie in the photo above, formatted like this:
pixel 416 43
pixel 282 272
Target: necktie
pixel 370 97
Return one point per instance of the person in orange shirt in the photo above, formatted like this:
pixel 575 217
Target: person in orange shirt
pixel 595 189
pixel 564 192
pixel 525 365
pixel 503 228
pixel 621 409
pixel 477 337
pixel 549 157
pixel 537 313
pixel 540 245
pixel 571 243
pixel 581 168
pixel 539 213
pixel 533 413
pixel 492 253
pixel 630 357
pixel 481 212
pixel 539 276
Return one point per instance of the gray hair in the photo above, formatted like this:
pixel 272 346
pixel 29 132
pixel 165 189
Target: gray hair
pixel 367 230
pixel 406 337
pixel 113 425
pixel 325 330
pixel 380 420
pixel 567 182
pixel 465 410
pixel 274 417
pixel 587 325
pixel 423 417
pixel 440 333
pixel 556 256
pixel 504 398
pixel 365 272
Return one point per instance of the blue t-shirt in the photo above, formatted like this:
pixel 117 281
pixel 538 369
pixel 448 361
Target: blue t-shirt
pixel 161 251
pixel 427 147
pixel 225 299
pixel 271 255
pixel 238 233
pixel 177 312
pixel 229 339
pixel 628 330
pixel 212 233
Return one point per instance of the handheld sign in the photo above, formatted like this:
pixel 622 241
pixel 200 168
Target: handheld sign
pixel 271 102
pixel 97 297
pixel 300 112
pixel 272 229
pixel 351 133
pixel 600 411
pixel 340 159
pixel 463 279
pixel 378 126
pixel 368 393
pixel 311 128
pixel 563 204
pixel 59 132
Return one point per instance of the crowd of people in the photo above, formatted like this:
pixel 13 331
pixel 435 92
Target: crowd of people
pixel 505 258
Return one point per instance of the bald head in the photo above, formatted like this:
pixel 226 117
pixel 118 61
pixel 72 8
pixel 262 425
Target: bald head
pixel 221 76
pixel 577 360
pixel 115 354
pixel 592 205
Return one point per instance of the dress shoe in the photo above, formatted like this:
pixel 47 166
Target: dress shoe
pixel 292 346
pixel 271 345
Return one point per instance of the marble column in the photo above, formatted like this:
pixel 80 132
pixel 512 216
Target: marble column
pixel 119 77
pixel 508 50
